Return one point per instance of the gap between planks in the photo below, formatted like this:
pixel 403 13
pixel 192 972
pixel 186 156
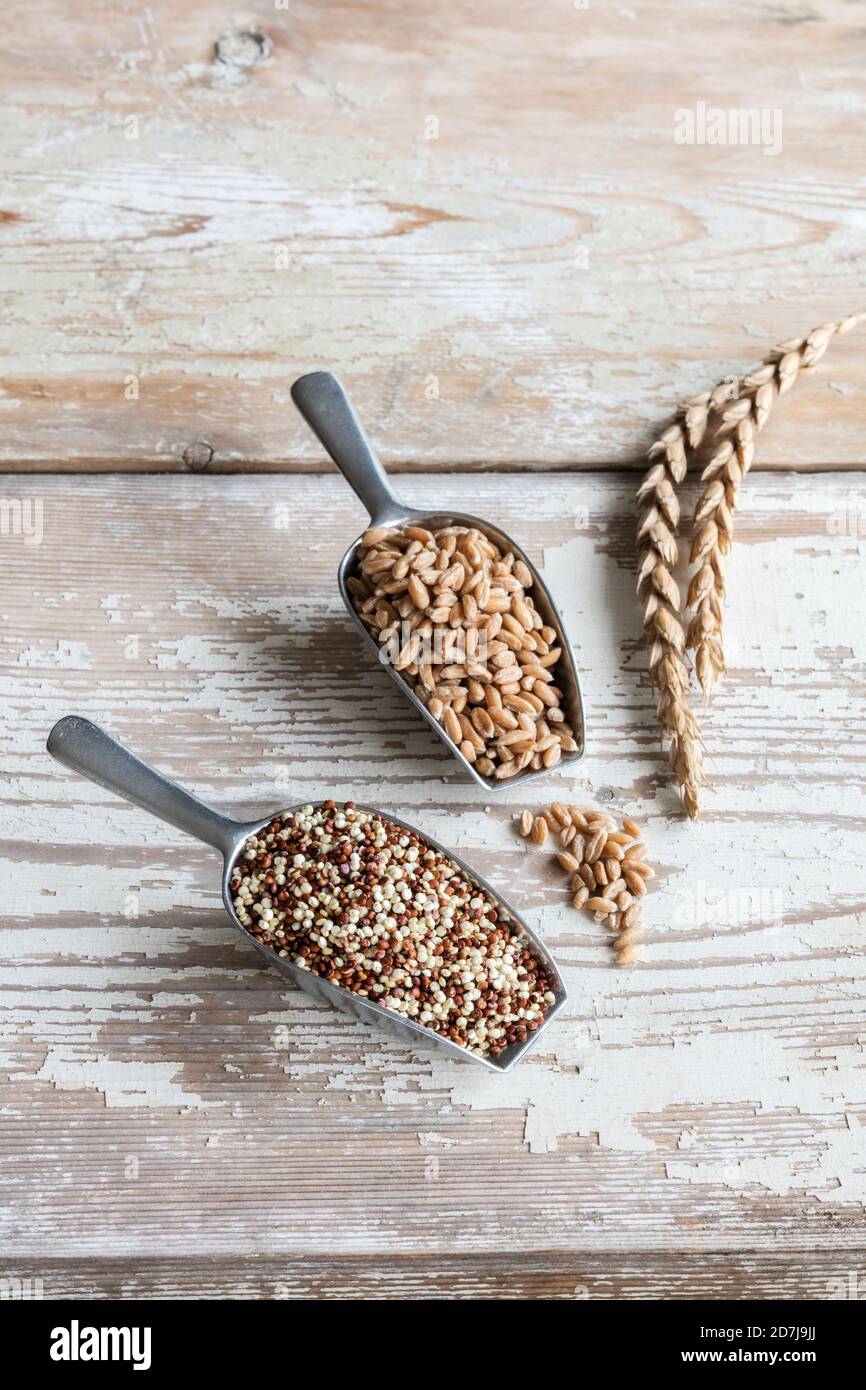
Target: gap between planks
pixel 66 467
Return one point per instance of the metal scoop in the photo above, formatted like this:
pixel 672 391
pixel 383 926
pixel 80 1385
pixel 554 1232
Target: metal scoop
pixel 324 404
pixel 83 746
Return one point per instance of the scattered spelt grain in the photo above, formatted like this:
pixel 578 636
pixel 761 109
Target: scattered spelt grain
pixel 567 861
pixel 539 830
pixel 605 864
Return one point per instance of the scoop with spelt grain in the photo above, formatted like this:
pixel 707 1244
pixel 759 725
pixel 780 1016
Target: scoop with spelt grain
pixel 455 615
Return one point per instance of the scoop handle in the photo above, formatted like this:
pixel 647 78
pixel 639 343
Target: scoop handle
pixel 84 747
pixel 325 405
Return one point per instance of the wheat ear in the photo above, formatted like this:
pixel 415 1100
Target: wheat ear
pixel 755 396
pixel 658 554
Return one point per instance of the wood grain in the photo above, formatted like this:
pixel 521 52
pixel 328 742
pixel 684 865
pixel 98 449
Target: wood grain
pixel 478 216
pixel 481 219
pixel 166 1097
pixel 806 1274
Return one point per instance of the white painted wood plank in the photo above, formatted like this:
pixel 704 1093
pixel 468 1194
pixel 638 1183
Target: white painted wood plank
pixel 538 285
pixel 711 1098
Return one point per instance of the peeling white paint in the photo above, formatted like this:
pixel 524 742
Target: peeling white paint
pixel 123 1084
pixel 65 656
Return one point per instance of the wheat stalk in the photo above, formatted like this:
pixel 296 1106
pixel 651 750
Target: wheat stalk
pixel 658 554
pixel 754 396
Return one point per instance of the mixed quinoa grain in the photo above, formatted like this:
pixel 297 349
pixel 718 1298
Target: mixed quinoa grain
pixel 371 906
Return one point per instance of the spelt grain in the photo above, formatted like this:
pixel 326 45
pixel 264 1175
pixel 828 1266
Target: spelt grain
pixel 601 905
pixel 539 830
pixel 595 846
pixel 567 861
pixel 634 880
pixel 631 916
pixel 618 837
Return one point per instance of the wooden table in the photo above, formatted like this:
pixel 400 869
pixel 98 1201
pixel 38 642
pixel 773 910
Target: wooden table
pixel 481 219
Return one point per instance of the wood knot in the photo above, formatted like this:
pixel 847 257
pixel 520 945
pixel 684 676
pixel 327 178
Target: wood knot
pixel 242 48
pixel 197 456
